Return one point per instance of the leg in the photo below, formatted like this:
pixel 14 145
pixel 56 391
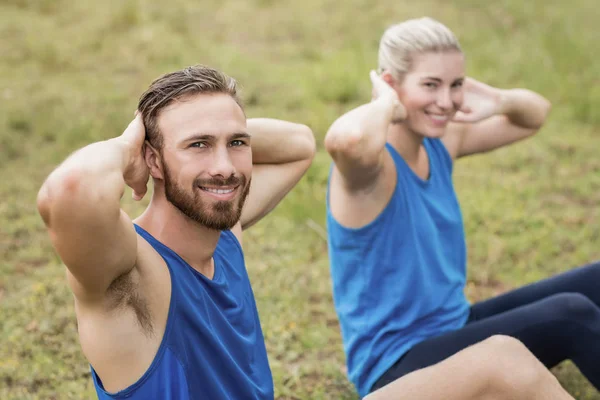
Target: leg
pixel 584 280
pixel 563 326
pixel 499 368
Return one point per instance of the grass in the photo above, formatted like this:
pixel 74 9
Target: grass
pixel 71 73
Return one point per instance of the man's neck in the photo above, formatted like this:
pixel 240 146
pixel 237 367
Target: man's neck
pixel 193 242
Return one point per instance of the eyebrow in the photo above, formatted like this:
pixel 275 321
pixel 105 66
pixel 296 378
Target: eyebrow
pixel 432 78
pixel 240 135
pixel 207 137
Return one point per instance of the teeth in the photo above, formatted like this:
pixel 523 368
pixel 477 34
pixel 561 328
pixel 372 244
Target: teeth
pixel 218 191
pixel 438 117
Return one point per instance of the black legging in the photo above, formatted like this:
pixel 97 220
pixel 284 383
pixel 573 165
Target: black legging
pixel 557 319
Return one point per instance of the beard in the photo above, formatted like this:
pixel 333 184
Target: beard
pixel 220 215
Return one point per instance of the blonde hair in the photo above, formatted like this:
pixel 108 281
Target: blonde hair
pixel 401 41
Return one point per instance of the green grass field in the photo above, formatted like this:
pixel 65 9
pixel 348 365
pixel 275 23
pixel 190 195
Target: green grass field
pixel 71 73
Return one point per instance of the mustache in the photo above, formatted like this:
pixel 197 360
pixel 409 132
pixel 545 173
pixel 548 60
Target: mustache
pixel 231 181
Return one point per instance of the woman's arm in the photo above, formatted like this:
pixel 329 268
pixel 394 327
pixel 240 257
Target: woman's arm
pixel 491 118
pixel 356 140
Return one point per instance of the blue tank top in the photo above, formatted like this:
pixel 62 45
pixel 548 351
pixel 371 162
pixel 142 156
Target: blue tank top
pixel 400 279
pixel 213 346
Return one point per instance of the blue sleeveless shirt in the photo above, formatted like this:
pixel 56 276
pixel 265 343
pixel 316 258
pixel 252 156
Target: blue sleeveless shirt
pixel 213 346
pixel 400 279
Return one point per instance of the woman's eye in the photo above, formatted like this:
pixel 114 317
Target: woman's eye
pixel 430 85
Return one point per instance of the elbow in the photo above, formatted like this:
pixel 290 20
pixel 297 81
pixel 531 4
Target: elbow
pixel 303 143
pixel 310 142
pixel 526 109
pixel 61 188
pixel 545 108
pixel 343 142
pixel 43 204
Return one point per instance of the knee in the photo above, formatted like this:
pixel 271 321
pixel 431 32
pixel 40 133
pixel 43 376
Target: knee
pixel 571 306
pixel 593 270
pixel 511 369
pixel 586 277
pixel 506 351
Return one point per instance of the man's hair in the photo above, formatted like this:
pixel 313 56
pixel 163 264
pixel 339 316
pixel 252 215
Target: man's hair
pixel 197 79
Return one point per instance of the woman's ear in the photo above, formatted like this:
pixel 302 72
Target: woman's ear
pixel 153 161
pixel 394 83
pixel 388 78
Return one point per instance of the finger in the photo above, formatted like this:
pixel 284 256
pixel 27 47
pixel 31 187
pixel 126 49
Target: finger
pixel 136 122
pixel 459 116
pixel 135 128
pixel 373 76
pixel 464 117
pixel 376 80
pixel 138 194
pixel 375 84
pixel 400 112
pixel 137 197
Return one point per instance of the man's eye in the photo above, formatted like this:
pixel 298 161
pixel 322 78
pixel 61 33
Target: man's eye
pixel 236 143
pixel 430 85
pixel 198 144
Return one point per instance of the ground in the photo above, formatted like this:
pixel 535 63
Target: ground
pixel 71 73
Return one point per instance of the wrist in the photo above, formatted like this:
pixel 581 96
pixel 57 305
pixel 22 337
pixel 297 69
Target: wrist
pixel 125 151
pixel 393 106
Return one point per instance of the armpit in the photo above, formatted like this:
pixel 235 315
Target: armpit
pixel 124 293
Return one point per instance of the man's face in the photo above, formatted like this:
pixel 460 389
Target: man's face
pixel 207 158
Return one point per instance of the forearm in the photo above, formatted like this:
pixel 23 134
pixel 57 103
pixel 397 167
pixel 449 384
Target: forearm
pixel 362 132
pixel 524 108
pixel 90 180
pixel 280 142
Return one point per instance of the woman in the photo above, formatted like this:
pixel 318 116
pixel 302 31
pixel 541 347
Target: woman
pixel 396 238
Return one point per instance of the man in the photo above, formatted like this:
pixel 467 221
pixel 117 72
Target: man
pixel 164 305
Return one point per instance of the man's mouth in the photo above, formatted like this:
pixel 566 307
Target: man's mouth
pixel 221 193
pixel 217 191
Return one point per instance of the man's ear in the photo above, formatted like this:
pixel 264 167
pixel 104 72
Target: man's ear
pixel 153 161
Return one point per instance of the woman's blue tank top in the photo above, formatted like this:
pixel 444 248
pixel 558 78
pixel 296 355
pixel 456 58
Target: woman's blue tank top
pixel 400 279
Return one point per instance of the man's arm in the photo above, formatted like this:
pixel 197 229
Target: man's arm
pixel 80 205
pixel 281 153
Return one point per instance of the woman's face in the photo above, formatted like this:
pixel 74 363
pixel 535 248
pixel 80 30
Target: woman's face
pixel 432 91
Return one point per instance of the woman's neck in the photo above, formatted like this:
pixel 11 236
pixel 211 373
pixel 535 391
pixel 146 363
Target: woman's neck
pixel 409 145
pixel 406 142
